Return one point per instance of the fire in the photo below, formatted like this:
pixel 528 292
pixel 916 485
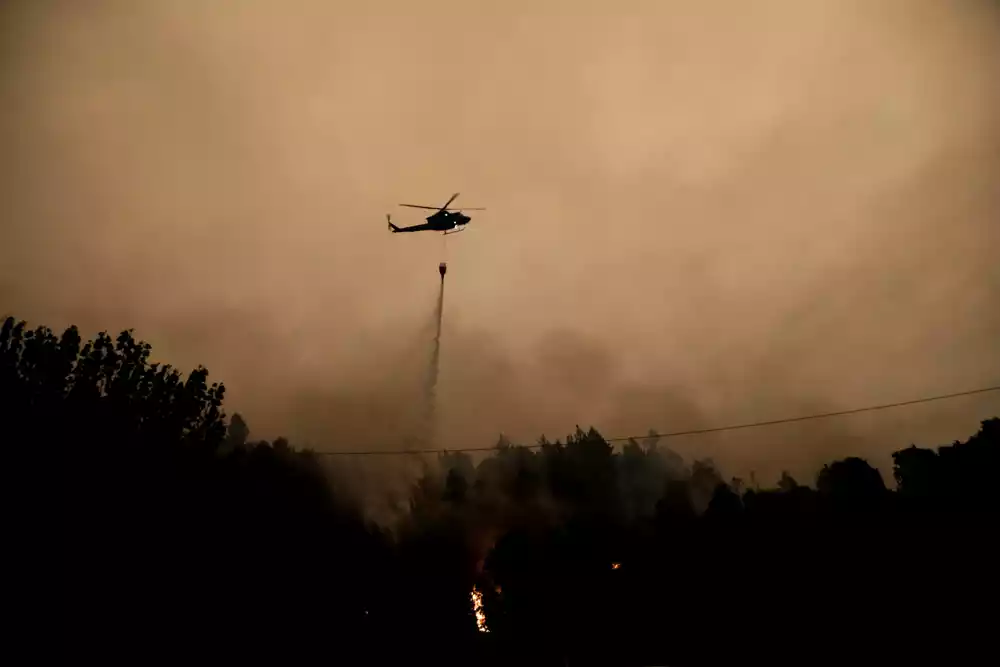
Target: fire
pixel 477 607
pixel 615 566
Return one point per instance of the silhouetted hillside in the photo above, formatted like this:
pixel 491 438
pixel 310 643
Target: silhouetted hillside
pixel 181 537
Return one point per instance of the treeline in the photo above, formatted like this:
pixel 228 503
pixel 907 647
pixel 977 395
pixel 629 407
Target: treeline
pixel 180 537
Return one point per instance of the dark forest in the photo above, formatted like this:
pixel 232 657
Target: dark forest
pixel 182 538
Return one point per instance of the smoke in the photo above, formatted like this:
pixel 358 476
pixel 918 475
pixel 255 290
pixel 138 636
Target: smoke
pixel 698 213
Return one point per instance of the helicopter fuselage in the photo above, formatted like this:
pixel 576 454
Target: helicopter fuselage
pixel 447 220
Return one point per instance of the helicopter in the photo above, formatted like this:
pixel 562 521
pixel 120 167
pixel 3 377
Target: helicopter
pixel 444 219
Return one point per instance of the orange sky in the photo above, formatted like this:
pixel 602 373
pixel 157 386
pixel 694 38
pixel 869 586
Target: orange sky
pixel 699 212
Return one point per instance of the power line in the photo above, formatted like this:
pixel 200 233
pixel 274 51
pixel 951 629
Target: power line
pixel 870 408
pixel 699 431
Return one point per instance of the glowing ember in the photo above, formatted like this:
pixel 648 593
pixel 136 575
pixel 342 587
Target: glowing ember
pixel 477 607
pixel 615 566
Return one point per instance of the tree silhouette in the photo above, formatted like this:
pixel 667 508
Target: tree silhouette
pixel 179 534
pixel 852 483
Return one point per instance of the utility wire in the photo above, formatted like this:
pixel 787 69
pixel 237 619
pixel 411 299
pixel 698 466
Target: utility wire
pixel 674 434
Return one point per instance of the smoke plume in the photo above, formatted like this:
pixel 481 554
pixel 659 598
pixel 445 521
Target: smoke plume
pixel 697 212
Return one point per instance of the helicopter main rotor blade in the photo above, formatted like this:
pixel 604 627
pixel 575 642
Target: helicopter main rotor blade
pixel 445 207
pixel 435 208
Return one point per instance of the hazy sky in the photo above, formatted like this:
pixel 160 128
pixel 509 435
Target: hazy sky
pixel 699 212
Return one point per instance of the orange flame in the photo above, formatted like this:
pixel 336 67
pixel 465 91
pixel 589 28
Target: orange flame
pixel 477 607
